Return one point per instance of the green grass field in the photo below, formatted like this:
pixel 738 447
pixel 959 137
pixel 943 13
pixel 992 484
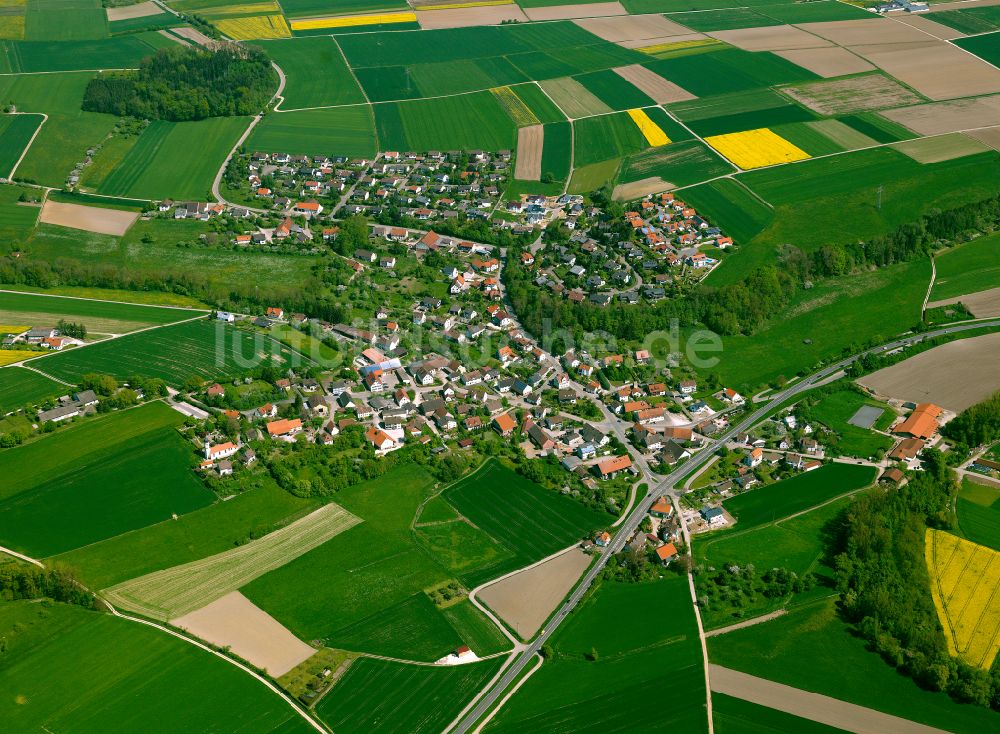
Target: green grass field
pixel 544 109
pixel 796 650
pixel 836 409
pixel 464 122
pixel 316 73
pixel 20 387
pixel 54 648
pixel 15 132
pixel 608 136
pixel 736 716
pixel 16 221
pixel 647 644
pixel 196 535
pixel 80 445
pixel 613 90
pixel 728 70
pixel 307 8
pixel 98 316
pixel 968 268
pixel 120 52
pixel 971 20
pixel 64 20
pixel 978 511
pixel 986 47
pixel 845 312
pixel 397 698
pixel 593 176
pixel 345 131
pixel 782 499
pixel 364 590
pixel 147 480
pixel 173 353
pixel 557 150
pixel 730 205
pixel 680 163
pixel 532 522
pixel 160 166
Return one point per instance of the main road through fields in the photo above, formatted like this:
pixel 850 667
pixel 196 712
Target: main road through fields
pixel 666 486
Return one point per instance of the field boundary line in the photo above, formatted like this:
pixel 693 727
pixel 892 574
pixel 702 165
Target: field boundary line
pixel 43 374
pixel 350 68
pixel 747 623
pixel 930 286
pixel 68 71
pixel 105 300
pixel 27 147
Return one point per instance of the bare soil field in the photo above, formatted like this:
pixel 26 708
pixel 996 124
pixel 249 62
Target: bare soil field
pixel 846 96
pixel 842 134
pixel 87 218
pixel 172 37
pixel 945 117
pixel 463 17
pixel 771 38
pixel 193 35
pixel 525 600
pixel 990 136
pixel 139 10
pixel 862 32
pixel 573 98
pixel 634 27
pixel 175 592
pixel 827 62
pixel 936 69
pixel 530 140
pixel 954 375
pixel 638 189
pixel 568 12
pixel 922 23
pixel 982 304
pixel 660 90
pixel 940 148
pixel 237 623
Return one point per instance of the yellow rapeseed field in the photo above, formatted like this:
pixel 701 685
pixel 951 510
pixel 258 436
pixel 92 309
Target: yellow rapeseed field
pixel 650 130
pixel 10 356
pixel 519 112
pixel 345 21
pixel 965 584
pixel 12 328
pixel 11 27
pixel 13 3
pixel 756 148
pixel 259 8
pixel 456 6
pixel 258 26
pixel 675 46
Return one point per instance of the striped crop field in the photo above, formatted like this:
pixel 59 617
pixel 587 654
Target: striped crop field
pixel 756 148
pixel 256 26
pixel 519 112
pixel 458 6
pixel 347 21
pixel 176 591
pixel 965 584
pixel 649 129
pixel 678 48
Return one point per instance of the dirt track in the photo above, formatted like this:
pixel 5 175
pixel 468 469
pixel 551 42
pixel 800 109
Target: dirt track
pixel 813 706
pixel 530 141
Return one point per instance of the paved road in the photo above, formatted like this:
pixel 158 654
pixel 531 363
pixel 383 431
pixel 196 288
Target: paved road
pixel 666 486
pixel 813 706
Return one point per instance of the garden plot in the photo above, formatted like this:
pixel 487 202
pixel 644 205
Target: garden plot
pixel 530 141
pixel 525 600
pixel 827 62
pixel 857 94
pixel 660 90
pixel 945 117
pixel 940 148
pixel 464 17
pixel 573 98
pixel 634 27
pixel 773 38
pixel 236 623
pixel 88 218
pixel 139 10
pixel 177 591
pixel 568 12
pixel 954 375
pixel 936 69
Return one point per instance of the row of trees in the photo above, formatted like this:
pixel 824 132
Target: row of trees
pixel 977 425
pixel 18 581
pixel 885 588
pixel 187 83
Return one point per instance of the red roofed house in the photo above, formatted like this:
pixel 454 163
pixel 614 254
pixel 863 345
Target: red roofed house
pixel 754 457
pixel 666 553
pixel 610 468
pixel 220 451
pixel 504 424
pixel 921 423
pixel 216 390
pixel 274 312
pixel 381 440
pixel 284 428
